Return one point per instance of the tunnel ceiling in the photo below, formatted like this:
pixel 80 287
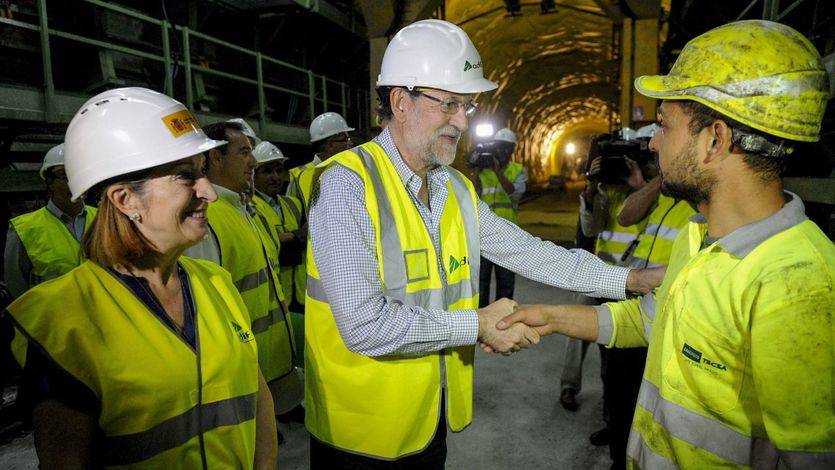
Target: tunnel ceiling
pixel 555 73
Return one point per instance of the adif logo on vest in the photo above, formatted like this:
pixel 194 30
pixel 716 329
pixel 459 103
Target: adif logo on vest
pixel 696 356
pixel 454 264
pixel 469 66
pixel 243 334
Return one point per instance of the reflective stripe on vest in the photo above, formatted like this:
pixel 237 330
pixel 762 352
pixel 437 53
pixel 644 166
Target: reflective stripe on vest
pixel 494 195
pixel 615 240
pixel 293 278
pixel 51 248
pixel 388 407
pixel 163 404
pixel 248 253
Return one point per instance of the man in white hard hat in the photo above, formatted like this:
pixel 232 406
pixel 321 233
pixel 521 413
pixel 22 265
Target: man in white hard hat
pixel 329 135
pixel 45 243
pixel 392 295
pixel 270 177
pixel 501 186
pixel 246 248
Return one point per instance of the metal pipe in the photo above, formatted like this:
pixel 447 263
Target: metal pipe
pixel 187 63
pixel 324 94
pixel 166 52
pixel 262 99
pixel 46 57
pixel 311 90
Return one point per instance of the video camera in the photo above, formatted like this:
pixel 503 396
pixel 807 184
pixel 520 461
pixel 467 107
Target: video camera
pixel 614 151
pixel 484 152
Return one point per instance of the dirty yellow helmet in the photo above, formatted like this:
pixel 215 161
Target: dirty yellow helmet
pixel 760 73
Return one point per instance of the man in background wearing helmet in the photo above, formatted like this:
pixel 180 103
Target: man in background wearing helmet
pixel 44 244
pixel 396 236
pixel 329 135
pixel 740 334
pixel 501 187
pixel 269 179
pixel 245 246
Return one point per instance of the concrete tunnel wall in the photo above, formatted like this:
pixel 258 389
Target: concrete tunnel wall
pixel 555 73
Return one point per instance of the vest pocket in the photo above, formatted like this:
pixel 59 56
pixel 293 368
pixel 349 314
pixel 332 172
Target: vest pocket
pixel 704 366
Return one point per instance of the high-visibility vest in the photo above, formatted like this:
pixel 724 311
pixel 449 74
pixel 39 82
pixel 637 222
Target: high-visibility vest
pixel 388 407
pixel 249 254
pixel 294 188
pixel 163 404
pixel 293 278
pixel 494 195
pixel 655 244
pixel 702 398
pixel 51 248
pixel 615 241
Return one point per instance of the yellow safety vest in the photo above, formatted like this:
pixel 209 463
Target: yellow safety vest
pixel 655 244
pixel 615 240
pixel 388 407
pixel 295 187
pixel 249 254
pixel 51 248
pixel 494 195
pixel 163 404
pixel 700 403
pixel 293 278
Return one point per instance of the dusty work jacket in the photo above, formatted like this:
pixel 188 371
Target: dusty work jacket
pixel 739 371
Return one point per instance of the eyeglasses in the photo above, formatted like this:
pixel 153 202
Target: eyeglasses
pixel 452 106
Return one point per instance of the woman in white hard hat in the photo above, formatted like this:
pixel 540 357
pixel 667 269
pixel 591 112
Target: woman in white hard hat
pixel 139 357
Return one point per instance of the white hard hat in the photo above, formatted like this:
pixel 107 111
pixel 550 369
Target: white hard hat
pixel 267 152
pixel 327 125
pixel 505 135
pixel 248 131
pixel 646 131
pixel 54 157
pixel 433 54
pixel 125 130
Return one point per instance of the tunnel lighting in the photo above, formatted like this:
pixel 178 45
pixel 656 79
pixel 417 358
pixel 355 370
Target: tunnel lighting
pixel 484 130
pixel 570 148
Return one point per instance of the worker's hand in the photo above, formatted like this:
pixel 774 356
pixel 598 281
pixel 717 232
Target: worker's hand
pixel 594 170
pixel 645 280
pixel 497 166
pixel 509 340
pixel 635 180
pixel 286 237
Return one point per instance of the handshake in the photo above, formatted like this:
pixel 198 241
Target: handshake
pixel 500 334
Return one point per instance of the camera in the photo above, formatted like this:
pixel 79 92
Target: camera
pixel 484 153
pixel 614 151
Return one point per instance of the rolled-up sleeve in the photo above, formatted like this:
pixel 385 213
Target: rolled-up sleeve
pixel 344 247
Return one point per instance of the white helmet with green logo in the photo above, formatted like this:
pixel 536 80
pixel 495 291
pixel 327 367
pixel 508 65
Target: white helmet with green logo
pixel 433 54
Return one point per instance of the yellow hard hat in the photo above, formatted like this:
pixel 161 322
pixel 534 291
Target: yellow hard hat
pixel 760 73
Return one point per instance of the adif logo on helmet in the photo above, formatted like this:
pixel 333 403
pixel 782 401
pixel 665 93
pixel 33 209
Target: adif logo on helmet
pixel 469 66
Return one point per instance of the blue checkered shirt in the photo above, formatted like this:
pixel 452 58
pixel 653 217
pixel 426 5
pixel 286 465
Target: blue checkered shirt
pixel 344 247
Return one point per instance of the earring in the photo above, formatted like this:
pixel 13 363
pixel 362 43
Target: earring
pixel 135 217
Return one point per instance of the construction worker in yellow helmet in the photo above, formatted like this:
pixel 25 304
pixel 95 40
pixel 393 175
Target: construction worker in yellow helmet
pixel 740 334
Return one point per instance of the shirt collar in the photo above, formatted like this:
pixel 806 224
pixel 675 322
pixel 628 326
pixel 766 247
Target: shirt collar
pixel 229 196
pixel 745 239
pixel 271 201
pixel 61 215
pixel 438 175
pixel 316 159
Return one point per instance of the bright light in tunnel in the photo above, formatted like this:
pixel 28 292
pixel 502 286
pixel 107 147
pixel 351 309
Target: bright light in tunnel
pixel 570 148
pixel 484 130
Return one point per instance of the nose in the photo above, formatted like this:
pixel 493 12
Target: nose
pixel 460 119
pixel 653 142
pixel 205 190
pixel 251 162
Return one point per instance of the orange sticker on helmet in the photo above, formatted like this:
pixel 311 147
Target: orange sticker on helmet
pixel 180 123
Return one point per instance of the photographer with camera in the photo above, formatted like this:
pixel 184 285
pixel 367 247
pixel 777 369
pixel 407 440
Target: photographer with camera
pixel 501 184
pixel 618 164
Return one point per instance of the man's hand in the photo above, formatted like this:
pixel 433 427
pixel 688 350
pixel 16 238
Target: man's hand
pixel 645 280
pixel 594 169
pixel 635 180
pixel 286 237
pixel 537 317
pixel 510 340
